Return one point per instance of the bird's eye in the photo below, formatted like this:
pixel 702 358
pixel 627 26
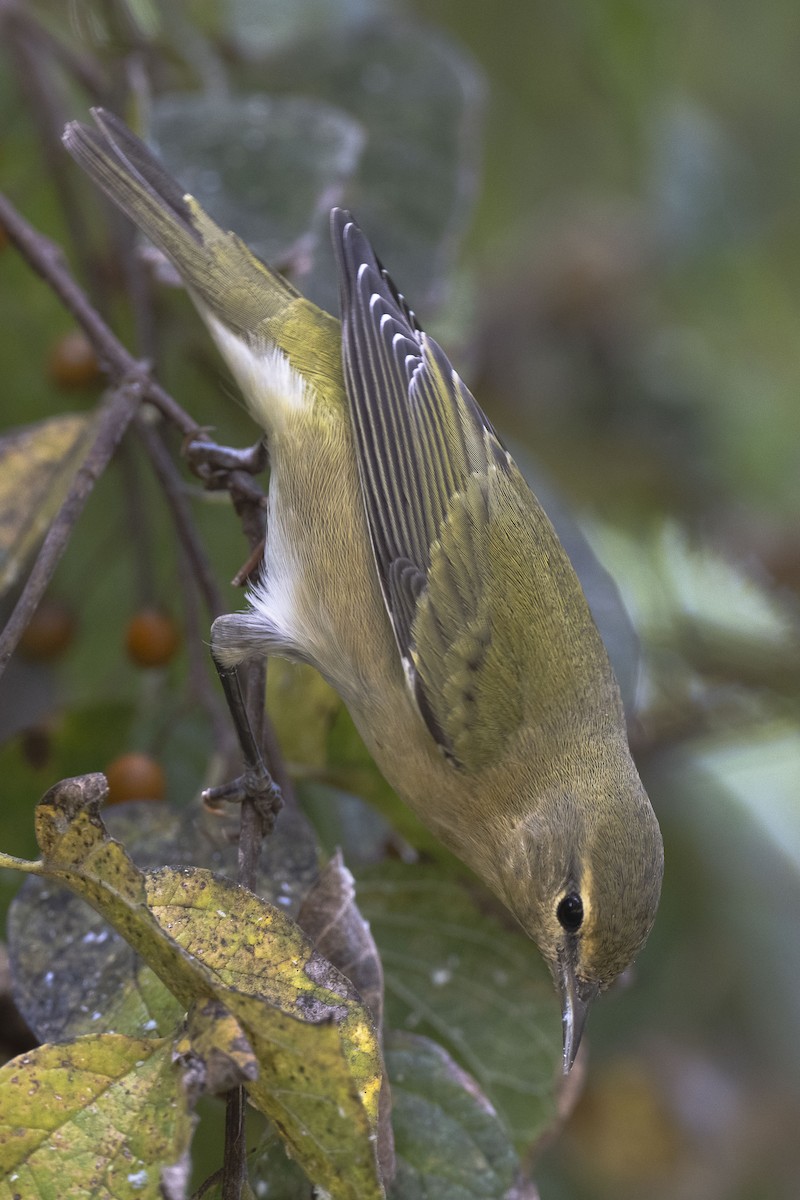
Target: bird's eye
pixel 570 912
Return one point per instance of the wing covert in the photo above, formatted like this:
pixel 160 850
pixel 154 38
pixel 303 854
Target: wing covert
pixel 420 438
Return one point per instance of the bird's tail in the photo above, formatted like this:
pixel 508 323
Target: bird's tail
pixel 223 275
pixel 282 348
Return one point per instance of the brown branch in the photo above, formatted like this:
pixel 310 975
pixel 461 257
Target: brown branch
pixel 83 69
pixel 39 85
pixel 234 1170
pixel 136 384
pixel 172 486
pixel 47 261
pixel 199 685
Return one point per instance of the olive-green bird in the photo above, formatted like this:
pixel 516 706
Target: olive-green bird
pixel 409 562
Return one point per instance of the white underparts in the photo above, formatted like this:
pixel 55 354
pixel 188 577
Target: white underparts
pixel 271 386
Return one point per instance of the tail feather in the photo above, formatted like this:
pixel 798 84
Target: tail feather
pixel 224 276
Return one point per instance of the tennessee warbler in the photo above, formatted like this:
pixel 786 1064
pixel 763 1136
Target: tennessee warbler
pixel 410 563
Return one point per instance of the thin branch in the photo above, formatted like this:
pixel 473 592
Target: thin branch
pixel 116 413
pixel 234 1169
pixel 47 261
pixel 138 525
pixel 197 571
pixel 28 54
pixel 199 685
pixel 83 69
pixel 172 486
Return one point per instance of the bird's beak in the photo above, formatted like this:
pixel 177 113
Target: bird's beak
pixel 576 999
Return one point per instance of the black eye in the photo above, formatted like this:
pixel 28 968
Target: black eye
pixel 570 912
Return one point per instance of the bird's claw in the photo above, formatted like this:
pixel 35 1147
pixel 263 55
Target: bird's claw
pixel 213 464
pixel 256 786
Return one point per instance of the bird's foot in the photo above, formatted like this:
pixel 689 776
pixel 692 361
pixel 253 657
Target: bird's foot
pixel 257 786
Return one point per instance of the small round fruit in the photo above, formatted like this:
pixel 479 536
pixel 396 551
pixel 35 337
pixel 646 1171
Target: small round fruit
pixel 134 776
pixel 72 362
pixel 152 638
pixel 49 631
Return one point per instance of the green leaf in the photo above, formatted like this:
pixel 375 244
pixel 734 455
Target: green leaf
pixel 369 70
pixel 207 938
pixel 450 1143
pixel 102 1116
pixel 74 974
pixel 265 167
pixel 264 26
pixel 464 978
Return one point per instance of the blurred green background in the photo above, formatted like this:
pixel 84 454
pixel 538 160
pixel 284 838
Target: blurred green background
pixel 597 210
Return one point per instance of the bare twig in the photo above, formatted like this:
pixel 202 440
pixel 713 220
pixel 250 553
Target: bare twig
pixel 200 688
pixel 172 486
pixel 47 261
pixel 83 68
pixel 198 570
pixel 31 55
pixel 234 1170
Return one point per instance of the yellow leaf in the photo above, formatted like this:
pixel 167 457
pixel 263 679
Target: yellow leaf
pixel 319 1060
pixel 101 1116
pixel 37 466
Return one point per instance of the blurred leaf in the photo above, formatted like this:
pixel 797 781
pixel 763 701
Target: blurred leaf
pixel 270 1168
pixel 344 821
pixel 699 613
pixel 604 599
pixel 701 183
pixel 74 974
pixel 37 466
pixel 369 70
pixel 104 1116
pixel 451 1145
pixel 480 989
pixel 759 771
pixel 266 26
pixel 269 168
pixel 206 937
pixel 302 708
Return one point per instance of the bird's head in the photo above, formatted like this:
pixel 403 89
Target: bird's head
pixel 585 886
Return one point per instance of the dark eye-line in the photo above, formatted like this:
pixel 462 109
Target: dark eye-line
pixel 570 912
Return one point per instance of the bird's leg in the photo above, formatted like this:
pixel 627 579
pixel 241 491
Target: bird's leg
pixel 256 783
pixel 215 464
pixel 226 467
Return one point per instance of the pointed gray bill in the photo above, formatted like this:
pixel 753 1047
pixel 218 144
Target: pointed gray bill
pixel 576 1000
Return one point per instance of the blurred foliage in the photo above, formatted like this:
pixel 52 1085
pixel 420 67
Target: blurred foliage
pixel 625 307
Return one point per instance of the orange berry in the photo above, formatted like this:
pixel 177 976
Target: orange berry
pixel 134 776
pixel 72 362
pixel 152 638
pixel 49 632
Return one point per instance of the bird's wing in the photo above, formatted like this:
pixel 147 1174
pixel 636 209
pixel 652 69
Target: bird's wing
pixel 428 460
